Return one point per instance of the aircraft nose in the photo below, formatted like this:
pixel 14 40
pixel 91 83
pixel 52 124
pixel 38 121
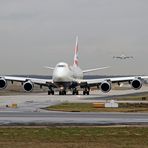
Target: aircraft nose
pixel 60 75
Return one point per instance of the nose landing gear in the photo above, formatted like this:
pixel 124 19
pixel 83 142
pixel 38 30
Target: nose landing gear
pixel 62 92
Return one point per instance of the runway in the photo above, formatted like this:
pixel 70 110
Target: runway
pixel 29 110
pixel 72 118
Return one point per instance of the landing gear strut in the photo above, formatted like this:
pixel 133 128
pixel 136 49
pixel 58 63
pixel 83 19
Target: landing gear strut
pixel 75 92
pixel 86 91
pixel 50 92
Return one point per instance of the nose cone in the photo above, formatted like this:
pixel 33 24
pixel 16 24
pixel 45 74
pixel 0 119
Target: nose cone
pixel 60 75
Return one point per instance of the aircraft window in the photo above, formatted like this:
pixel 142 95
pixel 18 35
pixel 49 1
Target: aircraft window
pixel 61 66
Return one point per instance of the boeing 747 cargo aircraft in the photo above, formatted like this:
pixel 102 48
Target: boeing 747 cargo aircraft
pixel 70 78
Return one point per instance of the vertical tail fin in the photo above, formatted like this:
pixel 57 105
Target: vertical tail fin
pixel 76 53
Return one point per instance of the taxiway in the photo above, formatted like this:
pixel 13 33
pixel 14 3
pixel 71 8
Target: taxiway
pixel 29 110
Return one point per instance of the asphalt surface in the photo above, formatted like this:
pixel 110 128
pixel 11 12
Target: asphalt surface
pixel 62 118
pixel 29 112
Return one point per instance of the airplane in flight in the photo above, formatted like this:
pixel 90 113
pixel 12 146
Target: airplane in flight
pixel 123 57
pixel 70 78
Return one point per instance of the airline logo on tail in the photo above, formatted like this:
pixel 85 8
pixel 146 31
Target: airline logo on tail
pixel 76 53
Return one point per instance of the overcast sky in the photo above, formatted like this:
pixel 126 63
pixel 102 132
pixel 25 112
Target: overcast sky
pixel 37 33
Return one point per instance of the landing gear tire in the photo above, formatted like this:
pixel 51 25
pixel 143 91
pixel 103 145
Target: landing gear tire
pixel 50 92
pixel 62 92
pixel 83 92
pixel 75 92
pixel 86 92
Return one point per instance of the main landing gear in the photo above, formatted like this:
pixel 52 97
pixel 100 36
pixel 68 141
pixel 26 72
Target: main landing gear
pixel 75 92
pixel 86 91
pixel 50 92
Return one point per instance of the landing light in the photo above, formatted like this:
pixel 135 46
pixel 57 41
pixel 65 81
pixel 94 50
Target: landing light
pixel 61 88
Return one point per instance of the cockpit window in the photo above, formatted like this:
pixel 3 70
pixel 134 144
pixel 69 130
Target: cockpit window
pixel 61 66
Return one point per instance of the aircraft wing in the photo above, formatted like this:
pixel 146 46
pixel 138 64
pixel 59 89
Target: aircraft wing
pixel 51 68
pixel 25 79
pixel 95 69
pixel 96 82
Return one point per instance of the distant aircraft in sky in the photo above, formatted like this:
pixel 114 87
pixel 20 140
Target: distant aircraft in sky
pixel 123 57
pixel 70 78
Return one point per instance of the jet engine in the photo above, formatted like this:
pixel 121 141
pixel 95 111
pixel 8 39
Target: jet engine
pixel 136 84
pixel 105 86
pixel 3 83
pixel 28 86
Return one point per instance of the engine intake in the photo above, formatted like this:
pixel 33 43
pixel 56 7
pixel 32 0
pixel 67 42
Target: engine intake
pixel 28 86
pixel 136 84
pixel 105 87
pixel 3 83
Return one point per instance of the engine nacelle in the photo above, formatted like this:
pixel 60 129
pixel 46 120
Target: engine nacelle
pixel 136 84
pixel 105 86
pixel 3 83
pixel 28 86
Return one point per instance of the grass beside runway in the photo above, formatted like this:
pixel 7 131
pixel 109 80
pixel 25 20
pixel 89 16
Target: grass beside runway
pixel 74 137
pixel 88 107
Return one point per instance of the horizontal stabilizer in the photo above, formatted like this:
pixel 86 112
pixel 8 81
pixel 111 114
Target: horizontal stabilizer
pixel 52 68
pixel 95 69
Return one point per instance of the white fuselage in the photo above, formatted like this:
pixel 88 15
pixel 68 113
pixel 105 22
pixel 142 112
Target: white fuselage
pixel 66 74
